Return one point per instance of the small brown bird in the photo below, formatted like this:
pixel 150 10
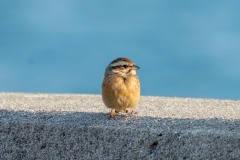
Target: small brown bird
pixel 121 86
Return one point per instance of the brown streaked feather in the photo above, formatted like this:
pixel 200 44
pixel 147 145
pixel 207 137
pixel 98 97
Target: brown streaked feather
pixel 122 59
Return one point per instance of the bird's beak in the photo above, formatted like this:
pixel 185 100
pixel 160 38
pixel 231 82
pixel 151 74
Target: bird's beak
pixel 135 67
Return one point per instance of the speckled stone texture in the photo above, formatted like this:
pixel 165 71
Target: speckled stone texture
pixel 68 126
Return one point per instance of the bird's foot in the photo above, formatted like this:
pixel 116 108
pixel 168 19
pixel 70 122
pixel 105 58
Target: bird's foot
pixel 112 114
pixel 133 112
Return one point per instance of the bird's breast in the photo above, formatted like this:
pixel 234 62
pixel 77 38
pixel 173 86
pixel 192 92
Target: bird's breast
pixel 119 92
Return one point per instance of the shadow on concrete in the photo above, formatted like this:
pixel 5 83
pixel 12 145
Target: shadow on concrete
pixel 83 135
pixel 126 120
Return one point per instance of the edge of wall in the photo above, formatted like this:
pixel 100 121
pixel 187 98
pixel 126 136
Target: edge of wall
pixel 87 133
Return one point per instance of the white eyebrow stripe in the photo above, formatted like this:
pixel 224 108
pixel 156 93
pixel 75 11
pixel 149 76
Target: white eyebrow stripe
pixel 119 63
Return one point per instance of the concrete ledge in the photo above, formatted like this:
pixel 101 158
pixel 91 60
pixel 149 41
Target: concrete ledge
pixel 53 126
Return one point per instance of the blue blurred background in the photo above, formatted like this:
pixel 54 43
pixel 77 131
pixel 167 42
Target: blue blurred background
pixel 184 48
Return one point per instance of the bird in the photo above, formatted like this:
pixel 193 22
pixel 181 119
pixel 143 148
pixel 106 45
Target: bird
pixel 121 86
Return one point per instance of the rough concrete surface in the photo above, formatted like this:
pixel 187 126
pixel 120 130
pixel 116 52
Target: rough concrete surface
pixel 68 126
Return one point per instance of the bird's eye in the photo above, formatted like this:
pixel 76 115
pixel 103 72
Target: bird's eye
pixel 125 66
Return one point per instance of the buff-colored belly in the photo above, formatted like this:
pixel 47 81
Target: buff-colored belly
pixel 120 94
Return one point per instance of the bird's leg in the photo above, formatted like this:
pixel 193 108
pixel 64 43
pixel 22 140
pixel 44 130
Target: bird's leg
pixel 133 112
pixel 112 114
